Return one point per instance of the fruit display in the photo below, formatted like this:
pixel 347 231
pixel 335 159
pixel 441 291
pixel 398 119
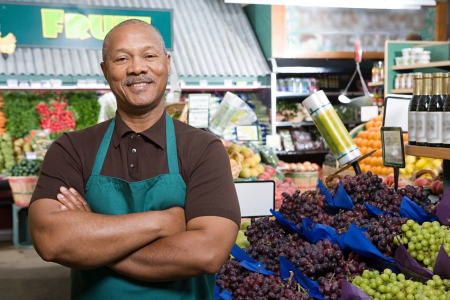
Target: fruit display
pixel 415 164
pixel 305 166
pixel 325 262
pixel 388 285
pixel 424 240
pixel 6 152
pixel 248 161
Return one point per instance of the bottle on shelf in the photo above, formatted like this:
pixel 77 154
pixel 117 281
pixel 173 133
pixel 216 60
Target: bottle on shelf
pixel 446 118
pixel 422 110
pixel 375 73
pixel 417 92
pixel 435 112
pixel 375 97
pixel 381 70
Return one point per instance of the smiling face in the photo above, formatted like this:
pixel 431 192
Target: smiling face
pixel 136 68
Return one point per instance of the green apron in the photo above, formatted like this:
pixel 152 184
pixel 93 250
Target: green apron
pixel 114 196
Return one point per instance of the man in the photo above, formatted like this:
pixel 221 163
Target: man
pixel 121 187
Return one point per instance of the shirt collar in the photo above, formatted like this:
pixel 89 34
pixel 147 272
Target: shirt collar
pixel 156 133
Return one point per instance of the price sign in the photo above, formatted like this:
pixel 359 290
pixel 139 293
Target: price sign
pixel 198 118
pixel 256 198
pixel 199 101
pixel 247 133
pixel 392 144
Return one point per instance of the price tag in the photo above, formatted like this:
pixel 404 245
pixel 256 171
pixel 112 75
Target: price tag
pixel 392 144
pixel 30 155
pixel 199 101
pixel 198 118
pixel 273 141
pixel 368 113
pixel 247 133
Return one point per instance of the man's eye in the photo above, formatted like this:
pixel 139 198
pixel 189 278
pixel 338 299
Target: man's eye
pixel 121 59
pixel 150 56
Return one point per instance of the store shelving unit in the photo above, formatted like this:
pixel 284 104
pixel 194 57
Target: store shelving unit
pixel 380 83
pixel 440 61
pixel 433 152
pixel 286 68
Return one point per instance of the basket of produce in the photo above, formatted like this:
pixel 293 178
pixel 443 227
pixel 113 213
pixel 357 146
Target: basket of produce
pixel 178 111
pixel 22 179
pixel 304 180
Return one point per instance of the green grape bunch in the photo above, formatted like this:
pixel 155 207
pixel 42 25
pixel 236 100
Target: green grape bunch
pixel 388 285
pixel 424 241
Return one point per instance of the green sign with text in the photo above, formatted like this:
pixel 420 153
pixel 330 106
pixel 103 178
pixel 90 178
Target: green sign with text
pixel 73 26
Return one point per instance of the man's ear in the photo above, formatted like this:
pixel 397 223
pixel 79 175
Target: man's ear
pixel 169 59
pixel 103 66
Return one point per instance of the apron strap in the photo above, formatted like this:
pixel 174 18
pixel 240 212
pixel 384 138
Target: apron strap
pixel 171 146
pixel 101 153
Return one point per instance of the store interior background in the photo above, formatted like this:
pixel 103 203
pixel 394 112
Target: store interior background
pixel 233 42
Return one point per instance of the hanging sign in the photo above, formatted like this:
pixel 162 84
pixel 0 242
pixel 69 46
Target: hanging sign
pixel 73 26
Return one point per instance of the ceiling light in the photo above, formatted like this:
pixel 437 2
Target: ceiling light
pixel 368 4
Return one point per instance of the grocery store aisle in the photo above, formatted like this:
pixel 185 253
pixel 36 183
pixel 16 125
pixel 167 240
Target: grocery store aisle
pixel 25 276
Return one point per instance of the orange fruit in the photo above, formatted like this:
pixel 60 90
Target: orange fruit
pixel 359 135
pixel 366 168
pixel 371 135
pixel 363 150
pixel 378 153
pixel 377 170
pixel 377 144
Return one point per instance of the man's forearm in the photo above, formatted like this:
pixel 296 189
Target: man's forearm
pixel 187 254
pixel 84 240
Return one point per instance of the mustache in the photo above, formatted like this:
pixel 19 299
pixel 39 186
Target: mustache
pixel 136 79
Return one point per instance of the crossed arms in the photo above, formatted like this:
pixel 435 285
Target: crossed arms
pixel 150 246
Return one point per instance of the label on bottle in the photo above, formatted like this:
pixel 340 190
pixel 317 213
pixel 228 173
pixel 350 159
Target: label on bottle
pixel 434 127
pixel 445 127
pixel 411 126
pixel 421 127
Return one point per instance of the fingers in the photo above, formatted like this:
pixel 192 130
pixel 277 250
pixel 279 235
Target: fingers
pixel 72 200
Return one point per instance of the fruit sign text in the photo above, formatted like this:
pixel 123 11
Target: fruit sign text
pixel 78 26
pixel 74 26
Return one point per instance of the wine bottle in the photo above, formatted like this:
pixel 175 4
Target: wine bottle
pixel 422 110
pixel 417 92
pixel 435 112
pixel 446 118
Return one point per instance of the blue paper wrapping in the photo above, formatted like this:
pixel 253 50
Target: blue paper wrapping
pixel 311 286
pixel 225 295
pixel 241 255
pixel 410 210
pixel 375 211
pixel 285 223
pixel 248 262
pixel 361 245
pixel 318 232
pixel 342 199
pixel 325 192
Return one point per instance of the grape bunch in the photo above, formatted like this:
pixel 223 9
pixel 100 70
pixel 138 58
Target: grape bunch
pixel 308 204
pixel 362 187
pixel 420 197
pixel 383 232
pixel 258 286
pixel 388 285
pixel 357 215
pixel 424 241
pixel 231 275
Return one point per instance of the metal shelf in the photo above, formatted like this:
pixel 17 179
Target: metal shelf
pixel 297 95
pixel 445 63
pixel 310 123
pixel 319 151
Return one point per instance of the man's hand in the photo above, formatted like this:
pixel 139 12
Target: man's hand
pixel 72 200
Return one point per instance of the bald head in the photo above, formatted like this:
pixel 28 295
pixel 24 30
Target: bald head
pixel 105 48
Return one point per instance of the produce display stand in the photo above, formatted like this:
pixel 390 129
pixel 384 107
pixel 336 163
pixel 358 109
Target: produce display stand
pixel 432 152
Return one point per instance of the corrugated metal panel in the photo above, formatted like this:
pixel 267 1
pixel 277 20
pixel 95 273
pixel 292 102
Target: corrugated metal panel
pixel 210 38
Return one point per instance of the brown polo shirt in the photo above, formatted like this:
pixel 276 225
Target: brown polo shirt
pixel 202 159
